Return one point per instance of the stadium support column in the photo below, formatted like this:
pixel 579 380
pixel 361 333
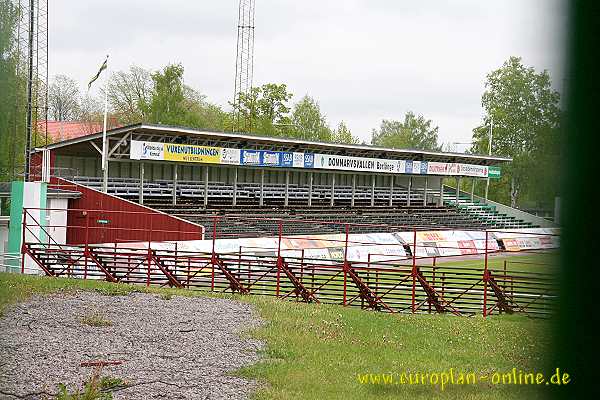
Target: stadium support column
pixel 441 199
pixel 409 191
pixel 287 189
pixel 175 184
pixel 310 188
pixel 425 193
pixel 391 190
pixel 353 190
pixel 473 190
pixel 332 190
pixel 261 200
pixel 457 189
pixel 206 186
pixel 235 180
pixel 141 193
pixel 372 190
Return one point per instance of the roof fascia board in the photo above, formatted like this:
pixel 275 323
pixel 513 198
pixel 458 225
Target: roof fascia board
pixel 136 128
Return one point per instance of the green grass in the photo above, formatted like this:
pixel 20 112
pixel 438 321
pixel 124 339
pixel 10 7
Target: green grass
pixel 318 351
pixel 539 262
pixel 96 320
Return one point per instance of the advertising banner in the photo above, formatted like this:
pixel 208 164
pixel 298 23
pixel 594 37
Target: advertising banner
pixel 192 153
pixel 479 171
pixel 494 172
pixel 347 163
pixel 142 150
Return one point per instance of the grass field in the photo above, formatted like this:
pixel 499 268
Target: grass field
pixel 319 351
pixel 533 262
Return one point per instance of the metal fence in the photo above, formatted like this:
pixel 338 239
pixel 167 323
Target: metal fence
pixel 474 283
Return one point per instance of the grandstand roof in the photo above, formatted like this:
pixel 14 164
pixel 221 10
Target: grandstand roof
pixel 64 130
pixel 119 137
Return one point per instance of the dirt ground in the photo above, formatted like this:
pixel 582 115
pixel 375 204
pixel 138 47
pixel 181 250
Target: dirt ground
pixel 162 348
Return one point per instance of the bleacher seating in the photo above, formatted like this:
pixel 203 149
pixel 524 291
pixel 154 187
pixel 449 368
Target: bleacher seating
pixel 252 218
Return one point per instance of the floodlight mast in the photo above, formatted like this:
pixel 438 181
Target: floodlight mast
pixel 244 66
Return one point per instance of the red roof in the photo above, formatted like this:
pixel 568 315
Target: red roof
pixel 64 130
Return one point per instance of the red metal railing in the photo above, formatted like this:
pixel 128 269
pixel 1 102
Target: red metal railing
pixel 410 283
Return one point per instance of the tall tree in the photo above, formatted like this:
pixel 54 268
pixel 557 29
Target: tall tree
pixel 12 95
pixel 266 109
pixel 343 135
pixel 308 122
pixel 526 118
pixel 167 105
pixel 129 94
pixel 202 114
pixel 63 99
pixel 415 132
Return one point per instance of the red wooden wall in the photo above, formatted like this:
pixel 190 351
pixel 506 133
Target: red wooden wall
pixel 97 217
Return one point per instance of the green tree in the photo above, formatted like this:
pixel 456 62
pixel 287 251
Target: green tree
pixel 308 123
pixel 167 101
pixel 129 93
pixel 415 132
pixel 525 113
pixel 12 96
pixel 202 114
pixel 264 110
pixel 343 135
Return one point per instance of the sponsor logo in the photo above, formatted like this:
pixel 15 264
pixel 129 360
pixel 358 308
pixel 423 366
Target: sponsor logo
pixel 250 157
pixel 151 150
pixel 192 150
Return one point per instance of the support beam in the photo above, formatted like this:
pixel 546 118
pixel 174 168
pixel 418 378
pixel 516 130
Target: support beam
pixel 206 186
pixel 141 193
pixel 235 180
pixel 372 190
pixel 473 190
pixel 391 190
pixel 441 199
pixel 261 200
pixel 95 146
pixel 457 189
pixel 353 190
pixel 119 143
pixel 175 171
pixel 287 189
pixel 332 190
pixel 310 188
pixel 409 190
pixel 425 193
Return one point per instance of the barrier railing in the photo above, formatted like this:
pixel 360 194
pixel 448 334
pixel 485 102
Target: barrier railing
pixel 395 271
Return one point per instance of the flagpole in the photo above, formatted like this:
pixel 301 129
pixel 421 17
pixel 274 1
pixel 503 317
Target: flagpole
pixel 104 138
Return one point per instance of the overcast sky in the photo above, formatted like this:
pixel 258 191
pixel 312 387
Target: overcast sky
pixel 364 61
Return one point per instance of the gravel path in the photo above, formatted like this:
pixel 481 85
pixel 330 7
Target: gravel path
pixel 178 348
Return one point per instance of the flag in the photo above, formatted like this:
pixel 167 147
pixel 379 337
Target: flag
pixel 102 68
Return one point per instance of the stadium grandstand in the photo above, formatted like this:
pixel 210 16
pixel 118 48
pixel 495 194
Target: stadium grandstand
pixel 320 222
pixel 195 174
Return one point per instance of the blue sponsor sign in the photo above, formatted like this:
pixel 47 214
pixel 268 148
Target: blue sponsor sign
pixel 423 167
pixel 271 158
pixel 251 157
pixel 266 158
pixel 309 160
pixel 408 169
pixel 287 159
